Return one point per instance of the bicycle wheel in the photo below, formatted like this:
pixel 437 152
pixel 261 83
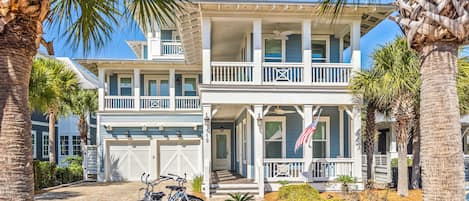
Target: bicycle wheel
pixel 191 198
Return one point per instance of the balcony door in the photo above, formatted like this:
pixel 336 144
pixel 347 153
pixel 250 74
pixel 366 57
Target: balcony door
pixel 156 86
pixel 221 149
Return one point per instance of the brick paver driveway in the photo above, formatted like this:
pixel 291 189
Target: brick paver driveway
pixel 121 191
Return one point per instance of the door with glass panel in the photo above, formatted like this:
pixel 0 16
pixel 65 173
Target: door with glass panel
pixel 156 87
pixel 274 137
pixel 221 149
pixel 320 140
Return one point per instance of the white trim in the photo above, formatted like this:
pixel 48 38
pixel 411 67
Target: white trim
pixel 183 81
pixel 34 139
pixel 341 131
pixel 43 145
pixel 158 79
pixel 152 124
pixel 40 123
pixel 119 76
pixel 67 148
pixel 328 45
pixel 328 132
pixel 282 119
pixel 249 164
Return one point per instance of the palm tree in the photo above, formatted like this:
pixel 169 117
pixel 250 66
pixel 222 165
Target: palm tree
pixel 436 29
pixel 51 85
pixel 367 85
pixel 85 24
pixel 84 103
pixel 398 67
pixel 463 84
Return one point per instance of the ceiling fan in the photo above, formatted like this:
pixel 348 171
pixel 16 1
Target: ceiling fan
pixel 279 110
pixel 279 35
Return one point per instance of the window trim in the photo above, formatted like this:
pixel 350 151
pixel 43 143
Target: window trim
pixel 119 76
pixel 68 145
pixel 328 46
pixel 33 136
pixel 282 119
pixel 327 120
pixel 43 145
pixel 282 47
pixel 196 84
pixel 73 145
pixel 158 79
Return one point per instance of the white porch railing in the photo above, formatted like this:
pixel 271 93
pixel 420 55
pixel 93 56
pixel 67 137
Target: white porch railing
pixel 381 168
pixel 187 102
pixel 232 72
pixel 171 47
pixel 282 73
pixel 291 169
pixel 119 103
pixel 328 169
pixel 331 73
pixel 154 102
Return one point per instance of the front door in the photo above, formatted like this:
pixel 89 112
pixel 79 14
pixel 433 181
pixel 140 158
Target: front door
pixel 221 149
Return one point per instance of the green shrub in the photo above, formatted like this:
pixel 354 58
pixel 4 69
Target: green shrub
pixel 283 182
pixel 197 184
pixel 48 175
pixel 44 174
pixel 303 192
pixel 240 197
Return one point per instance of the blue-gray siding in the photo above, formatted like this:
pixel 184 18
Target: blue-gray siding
pixel 294 48
pixel 334 50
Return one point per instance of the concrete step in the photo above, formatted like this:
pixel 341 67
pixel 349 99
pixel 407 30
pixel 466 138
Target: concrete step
pixel 233 186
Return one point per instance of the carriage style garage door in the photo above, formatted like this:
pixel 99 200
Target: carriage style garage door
pixel 128 159
pixel 179 157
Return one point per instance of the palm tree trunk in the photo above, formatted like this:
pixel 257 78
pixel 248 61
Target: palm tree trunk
pixel 441 149
pixel 370 141
pixel 83 129
pixel 402 166
pixel 52 153
pixel 416 152
pixel 17 47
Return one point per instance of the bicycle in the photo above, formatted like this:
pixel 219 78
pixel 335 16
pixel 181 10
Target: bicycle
pixel 149 195
pixel 180 191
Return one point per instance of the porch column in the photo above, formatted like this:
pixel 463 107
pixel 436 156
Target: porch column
pixel 259 147
pixel 206 50
pixel 393 142
pixel 341 131
pixel 306 39
pixel 356 144
pixel 355 36
pixel 308 148
pixel 172 89
pixel 207 146
pixel 257 50
pixel 137 89
pixel 101 85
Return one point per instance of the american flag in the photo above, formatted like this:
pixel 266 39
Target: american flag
pixel 307 133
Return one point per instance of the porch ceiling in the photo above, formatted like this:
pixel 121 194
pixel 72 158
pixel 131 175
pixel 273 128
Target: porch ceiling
pixel 227 112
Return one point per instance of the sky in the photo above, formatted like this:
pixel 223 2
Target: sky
pixel 117 47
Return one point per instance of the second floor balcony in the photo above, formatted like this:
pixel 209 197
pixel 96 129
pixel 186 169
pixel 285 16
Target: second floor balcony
pixel 164 44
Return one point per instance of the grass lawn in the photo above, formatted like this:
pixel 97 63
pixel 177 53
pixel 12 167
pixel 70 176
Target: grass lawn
pixel 372 195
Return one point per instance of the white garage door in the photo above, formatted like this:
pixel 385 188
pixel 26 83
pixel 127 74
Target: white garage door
pixel 179 157
pixel 128 160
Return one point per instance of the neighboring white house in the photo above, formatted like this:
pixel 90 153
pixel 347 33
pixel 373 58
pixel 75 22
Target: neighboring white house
pixel 227 91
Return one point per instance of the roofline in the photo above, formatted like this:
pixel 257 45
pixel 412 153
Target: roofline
pixel 287 2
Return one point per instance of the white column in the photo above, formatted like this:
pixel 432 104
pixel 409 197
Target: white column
pixel 393 144
pixel 257 50
pixel 101 85
pixel 306 38
pixel 206 50
pixel 149 46
pixel 355 44
pixel 137 89
pixel 308 148
pixel 157 43
pixel 356 143
pixel 207 148
pixel 259 147
pixel 341 130
pixel 172 89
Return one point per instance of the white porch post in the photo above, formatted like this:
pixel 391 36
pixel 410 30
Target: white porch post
pixel 307 148
pixel 207 146
pixel 137 89
pixel 341 131
pixel 101 74
pixel 306 39
pixel 259 147
pixel 393 144
pixel 206 50
pixel 356 144
pixel 172 89
pixel 257 48
pixel 355 44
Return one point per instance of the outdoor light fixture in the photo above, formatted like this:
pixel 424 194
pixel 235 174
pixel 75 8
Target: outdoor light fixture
pixel 144 128
pixel 108 128
pixel 178 134
pixel 128 134
pixel 161 128
pixel 207 125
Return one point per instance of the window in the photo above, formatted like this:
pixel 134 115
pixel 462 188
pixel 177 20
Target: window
pixel 320 49
pixel 152 88
pixel 273 50
pixel 164 88
pixel 320 139
pixel 125 85
pixel 190 86
pixel 76 146
pixel 274 137
pixel 64 146
pixel 45 145
pixel 33 140
pixel 156 85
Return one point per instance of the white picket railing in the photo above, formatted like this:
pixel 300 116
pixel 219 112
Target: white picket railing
pixel 328 169
pixel 291 169
pixel 154 102
pixel 282 73
pixel 172 47
pixel 119 103
pixel 187 102
pixel 331 73
pixel 232 72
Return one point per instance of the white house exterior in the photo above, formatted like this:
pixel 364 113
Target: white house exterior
pixel 228 90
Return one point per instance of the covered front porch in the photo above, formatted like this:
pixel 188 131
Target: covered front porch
pixel 255 145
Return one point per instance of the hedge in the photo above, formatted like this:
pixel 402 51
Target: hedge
pixel 48 175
